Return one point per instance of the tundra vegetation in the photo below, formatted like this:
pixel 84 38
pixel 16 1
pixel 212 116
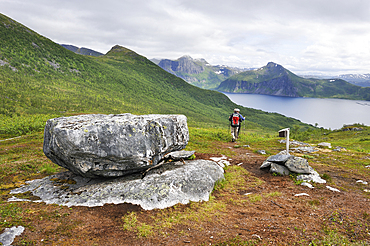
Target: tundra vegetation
pixel 40 80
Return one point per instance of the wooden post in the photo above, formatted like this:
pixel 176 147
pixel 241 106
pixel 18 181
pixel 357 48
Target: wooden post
pixel 285 133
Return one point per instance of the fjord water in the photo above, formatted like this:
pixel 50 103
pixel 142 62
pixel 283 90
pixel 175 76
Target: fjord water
pixel 327 113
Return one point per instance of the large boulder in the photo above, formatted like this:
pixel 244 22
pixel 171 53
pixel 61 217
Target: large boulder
pixel 113 145
pixel 162 187
pixel 298 165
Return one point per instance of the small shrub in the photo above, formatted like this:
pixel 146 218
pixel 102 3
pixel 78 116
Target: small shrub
pixel 145 230
pixel 293 176
pixel 308 157
pixel 326 177
pixel 255 198
pixel 314 202
pixel 130 221
pixel 48 168
pixel 273 194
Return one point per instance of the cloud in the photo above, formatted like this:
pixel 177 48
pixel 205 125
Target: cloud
pixel 308 35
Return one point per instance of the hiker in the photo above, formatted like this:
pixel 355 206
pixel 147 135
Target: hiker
pixel 235 118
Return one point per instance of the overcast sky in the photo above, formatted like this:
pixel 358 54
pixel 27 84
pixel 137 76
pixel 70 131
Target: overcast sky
pixel 305 36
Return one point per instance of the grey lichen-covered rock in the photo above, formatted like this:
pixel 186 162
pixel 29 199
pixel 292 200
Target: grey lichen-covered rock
pixel 178 155
pixel 298 165
pixel 278 158
pixel 265 164
pixel 113 145
pixel 162 187
pixel 9 234
pixel 261 152
pixel 279 169
pixel 324 145
pixel 305 149
pixel 313 177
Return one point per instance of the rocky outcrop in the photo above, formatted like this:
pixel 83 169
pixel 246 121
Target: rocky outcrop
pixel 165 186
pixel 198 72
pixel 113 145
pixel 184 64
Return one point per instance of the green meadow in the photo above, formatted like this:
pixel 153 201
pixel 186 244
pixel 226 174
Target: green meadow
pixel 40 80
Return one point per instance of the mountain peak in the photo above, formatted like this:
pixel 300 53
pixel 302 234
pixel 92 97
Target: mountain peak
pixel 186 57
pixel 273 64
pixel 273 67
pixel 118 50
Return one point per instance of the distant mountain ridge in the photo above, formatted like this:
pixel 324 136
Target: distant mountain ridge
pixel 82 51
pixel 357 79
pixel 39 76
pixel 274 79
pixel 198 72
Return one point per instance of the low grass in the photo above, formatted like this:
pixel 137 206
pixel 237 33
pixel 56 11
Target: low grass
pixel 335 238
pixel 22 159
pixel 10 215
pixel 195 213
pixel 236 241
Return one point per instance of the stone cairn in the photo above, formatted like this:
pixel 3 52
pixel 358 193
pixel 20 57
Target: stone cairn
pixel 283 164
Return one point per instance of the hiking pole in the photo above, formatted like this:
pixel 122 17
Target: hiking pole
pixel 240 126
pixel 229 129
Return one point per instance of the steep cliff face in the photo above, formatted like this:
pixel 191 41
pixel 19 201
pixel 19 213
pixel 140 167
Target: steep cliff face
pixel 198 72
pixel 184 64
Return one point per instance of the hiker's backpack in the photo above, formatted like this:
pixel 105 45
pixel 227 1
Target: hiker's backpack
pixel 235 120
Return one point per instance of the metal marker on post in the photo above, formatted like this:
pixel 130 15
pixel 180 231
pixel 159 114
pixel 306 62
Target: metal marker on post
pixel 285 133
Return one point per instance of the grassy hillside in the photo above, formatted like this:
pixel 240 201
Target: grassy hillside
pixel 273 79
pixel 40 79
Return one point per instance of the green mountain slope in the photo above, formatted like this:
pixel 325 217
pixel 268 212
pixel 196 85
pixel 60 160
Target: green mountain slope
pixel 198 72
pixel 273 79
pixel 38 76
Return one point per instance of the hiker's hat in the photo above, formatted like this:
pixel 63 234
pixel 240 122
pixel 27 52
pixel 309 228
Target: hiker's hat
pixel 236 110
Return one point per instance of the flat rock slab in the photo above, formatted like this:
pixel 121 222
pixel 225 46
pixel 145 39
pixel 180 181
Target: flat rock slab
pixel 178 155
pixel 162 187
pixel 99 145
pixel 278 158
